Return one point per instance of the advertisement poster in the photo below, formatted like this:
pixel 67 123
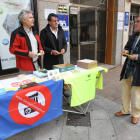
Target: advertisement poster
pixel 9 10
pixel 63 21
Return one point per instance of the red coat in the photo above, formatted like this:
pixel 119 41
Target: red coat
pixel 20 46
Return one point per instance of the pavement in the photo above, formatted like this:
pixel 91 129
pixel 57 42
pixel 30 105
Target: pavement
pixel 104 124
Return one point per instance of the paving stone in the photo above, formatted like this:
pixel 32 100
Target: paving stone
pixel 124 129
pixel 104 103
pixel 74 133
pixel 50 130
pixel 102 130
pixel 97 112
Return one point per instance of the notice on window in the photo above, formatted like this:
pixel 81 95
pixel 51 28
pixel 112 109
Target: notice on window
pixel 120 26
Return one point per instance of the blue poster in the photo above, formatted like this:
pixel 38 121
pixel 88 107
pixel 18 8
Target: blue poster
pixel 26 108
pixel 67 35
pixel 63 21
pixel 126 22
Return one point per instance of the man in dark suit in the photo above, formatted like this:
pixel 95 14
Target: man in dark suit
pixel 54 43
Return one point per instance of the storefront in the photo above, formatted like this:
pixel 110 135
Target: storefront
pixel 90 32
pixel 88 26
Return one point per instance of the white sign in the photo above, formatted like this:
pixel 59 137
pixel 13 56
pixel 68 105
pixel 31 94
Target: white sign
pixel 120 16
pixel 120 26
pixel 102 2
pixel 73 10
pixel 125 28
pixel 51 73
pixel 48 11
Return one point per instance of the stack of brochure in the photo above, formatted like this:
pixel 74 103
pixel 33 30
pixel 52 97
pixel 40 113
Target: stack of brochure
pixel 41 73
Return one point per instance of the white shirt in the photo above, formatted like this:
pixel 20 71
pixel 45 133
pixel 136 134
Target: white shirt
pixel 55 33
pixel 34 44
pixel 33 41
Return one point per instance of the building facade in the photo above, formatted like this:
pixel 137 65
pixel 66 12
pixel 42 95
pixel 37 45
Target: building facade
pixel 94 29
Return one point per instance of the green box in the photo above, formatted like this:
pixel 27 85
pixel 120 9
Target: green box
pixel 64 67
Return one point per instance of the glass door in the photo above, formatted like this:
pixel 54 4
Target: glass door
pixel 83 32
pixel 101 36
pixel 87 32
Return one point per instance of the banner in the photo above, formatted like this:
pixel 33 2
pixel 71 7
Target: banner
pixel 9 10
pixel 30 107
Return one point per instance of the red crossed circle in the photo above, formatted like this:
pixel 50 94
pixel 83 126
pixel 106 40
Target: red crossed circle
pixel 16 84
pixel 20 97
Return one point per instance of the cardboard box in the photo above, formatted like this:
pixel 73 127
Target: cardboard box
pixel 64 67
pixel 87 63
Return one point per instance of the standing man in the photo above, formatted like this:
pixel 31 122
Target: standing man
pixel 25 44
pixel 54 43
pixel 131 75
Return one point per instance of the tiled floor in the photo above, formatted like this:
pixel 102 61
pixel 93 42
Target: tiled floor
pixel 112 87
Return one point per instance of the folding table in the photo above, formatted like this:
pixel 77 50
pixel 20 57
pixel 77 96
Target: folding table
pixel 79 109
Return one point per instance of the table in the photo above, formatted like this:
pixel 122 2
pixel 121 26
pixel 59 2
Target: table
pixel 83 88
pixel 27 108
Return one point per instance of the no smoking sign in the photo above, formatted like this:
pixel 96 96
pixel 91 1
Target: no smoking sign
pixel 30 105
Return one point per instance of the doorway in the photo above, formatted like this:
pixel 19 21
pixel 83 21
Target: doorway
pixel 87 33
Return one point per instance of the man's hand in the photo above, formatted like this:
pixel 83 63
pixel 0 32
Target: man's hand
pixel 62 51
pixel 125 52
pixel 41 52
pixel 54 52
pixel 32 54
pixel 133 56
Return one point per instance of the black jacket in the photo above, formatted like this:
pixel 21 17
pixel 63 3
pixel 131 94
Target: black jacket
pixel 48 45
pixel 136 77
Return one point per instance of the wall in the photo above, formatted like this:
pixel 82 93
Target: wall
pixel 51 4
pixel 118 34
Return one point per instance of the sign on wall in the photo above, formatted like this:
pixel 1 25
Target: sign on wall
pixel 126 21
pixel 63 21
pixel 120 16
pixel 62 8
pixel 73 10
pixel 48 11
pixel 120 25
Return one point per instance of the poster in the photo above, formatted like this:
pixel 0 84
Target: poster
pixel 120 26
pixel 48 11
pixel 120 16
pixel 9 10
pixel 63 21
